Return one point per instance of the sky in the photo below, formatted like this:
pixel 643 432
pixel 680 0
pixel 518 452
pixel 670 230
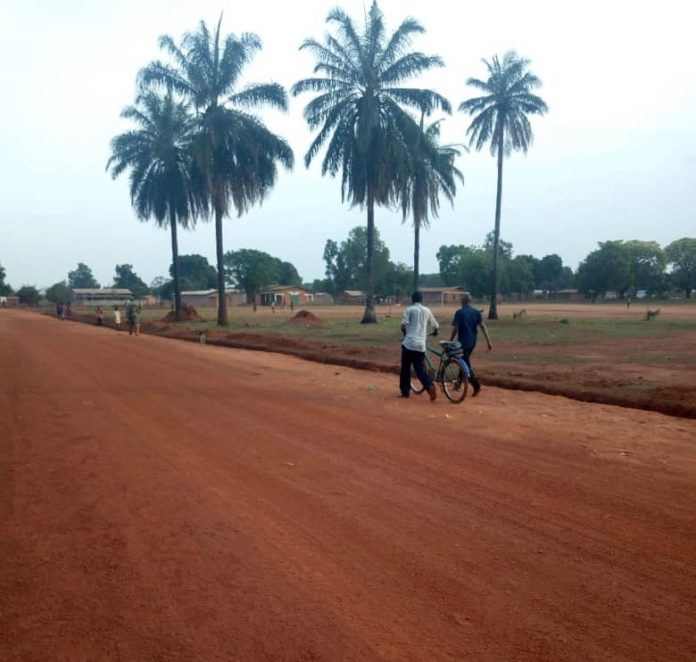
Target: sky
pixel 615 157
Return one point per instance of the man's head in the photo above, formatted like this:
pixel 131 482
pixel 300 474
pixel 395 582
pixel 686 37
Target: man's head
pixel 417 297
pixel 466 299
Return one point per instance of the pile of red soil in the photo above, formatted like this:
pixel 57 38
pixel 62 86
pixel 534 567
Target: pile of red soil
pixel 305 318
pixel 188 314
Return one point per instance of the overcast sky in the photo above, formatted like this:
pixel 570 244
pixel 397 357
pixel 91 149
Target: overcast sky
pixel 615 158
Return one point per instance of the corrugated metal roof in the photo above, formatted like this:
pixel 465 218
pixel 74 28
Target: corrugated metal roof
pixel 101 290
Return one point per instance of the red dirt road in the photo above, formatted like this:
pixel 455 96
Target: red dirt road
pixel 162 500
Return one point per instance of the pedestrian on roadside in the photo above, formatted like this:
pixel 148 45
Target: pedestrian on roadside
pixel 117 317
pixel 133 318
pixel 465 326
pixel 59 310
pixel 100 315
pixel 273 306
pixel 414 327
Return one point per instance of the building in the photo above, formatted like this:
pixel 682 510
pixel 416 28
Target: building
pixel 442 295
pixel 105 296
pixel 9 302
pixel 285 295
pixel 322 299
pixel 209 298
pixel 351 297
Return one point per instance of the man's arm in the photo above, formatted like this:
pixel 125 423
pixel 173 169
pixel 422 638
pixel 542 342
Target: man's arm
pixel 485 333
pixel 434 323
pixel 453 335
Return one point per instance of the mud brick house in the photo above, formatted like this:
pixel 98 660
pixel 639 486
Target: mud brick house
pixel 285 295
pixel 351 297
pixel 105 296
pixel 209 298
pixel 442 295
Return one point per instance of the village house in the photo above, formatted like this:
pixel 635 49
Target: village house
pixel 209 298
pixel 285 295
pixel 104 296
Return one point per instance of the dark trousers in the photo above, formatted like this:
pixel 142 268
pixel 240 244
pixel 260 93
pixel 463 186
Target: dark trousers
pixel 417 360
pixel 467 359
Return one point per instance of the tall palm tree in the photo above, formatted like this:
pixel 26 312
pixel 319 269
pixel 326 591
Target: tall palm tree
pixel 158 154
pixel 430 171
pixel 236 156
pixel 360 112
pixel 500 117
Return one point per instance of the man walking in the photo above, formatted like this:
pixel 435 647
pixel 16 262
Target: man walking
pixel 465 327
pixel 133 318
pixel 414 326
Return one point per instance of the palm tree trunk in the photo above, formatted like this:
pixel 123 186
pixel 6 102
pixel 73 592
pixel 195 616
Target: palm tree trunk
pixel 416 252
pixel 222 301
pixel 175 266
pixel 369 316
pixel 493 308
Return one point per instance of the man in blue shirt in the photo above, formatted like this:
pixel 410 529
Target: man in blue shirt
pixel 414 326
pixel 465 327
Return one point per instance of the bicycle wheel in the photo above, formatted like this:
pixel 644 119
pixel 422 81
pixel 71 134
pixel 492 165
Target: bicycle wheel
pixel 454 381
pixel 416 386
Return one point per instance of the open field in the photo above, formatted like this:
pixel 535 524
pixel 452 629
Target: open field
pixel 162 500
pixel 603 352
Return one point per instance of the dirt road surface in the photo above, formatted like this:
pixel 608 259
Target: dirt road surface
pixel 163 500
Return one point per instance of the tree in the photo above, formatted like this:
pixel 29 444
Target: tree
pixel 158 154
pixel 466 266
pixel 196 272
pixel 59 293
pixel 429 172
pixel 648 262
pixel 126 278
pixel 82 277
pixel 236 156
pixel 359 113
pixel 28 295
pixel 520 275
pixel 681 255
pixel 607 269
pixel 500 118
pixel 548 273
pixel 251 270
pixel 5 289
pixel 288 274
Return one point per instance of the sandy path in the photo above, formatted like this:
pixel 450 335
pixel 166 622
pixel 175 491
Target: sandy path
pixel 169 501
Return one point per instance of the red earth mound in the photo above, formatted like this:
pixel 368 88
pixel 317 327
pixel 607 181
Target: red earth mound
pixel 189 314
pixel 305 318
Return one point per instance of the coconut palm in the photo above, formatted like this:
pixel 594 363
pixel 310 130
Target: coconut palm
pixel 236 156
pixel 360 112
pixel 158 155
pixel 429 173
pixel 500 117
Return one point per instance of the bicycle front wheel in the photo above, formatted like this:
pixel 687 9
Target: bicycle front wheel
pixel 416 385
pixel 454 381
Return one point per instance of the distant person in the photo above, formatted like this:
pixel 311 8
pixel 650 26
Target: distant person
pixel 100 315
pixel 273 306
pixel 628 302
pixel 68 311
pixel 59 310
pixel 465 326
pixel 414 326
pixel 117 317
pixel 133 318
pixel 292 305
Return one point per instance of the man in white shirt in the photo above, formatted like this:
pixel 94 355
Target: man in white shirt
pixel 414 326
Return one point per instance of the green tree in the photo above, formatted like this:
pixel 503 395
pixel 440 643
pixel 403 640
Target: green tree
pixel 251 270
pixel 126 278
pixel 548 273
pixel 236 156
pixel 5 289
pixel 59 293
pixel 28 295
pixel 287 274
pixel 158 154
pixel 359 113
pixel 521 275
pixel 681 255
pixel 82 277
pixel 466 266
pixel 607 269
pixel 196 272
pixel 648 262
pixel 500 117
pixel 429 172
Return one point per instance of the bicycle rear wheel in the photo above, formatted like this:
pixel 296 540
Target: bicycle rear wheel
pixel 454 381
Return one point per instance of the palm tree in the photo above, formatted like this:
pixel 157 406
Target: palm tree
pixel 236 156
pixel 159 157
pixel 501 118
pixel 430 171
pixel 360 113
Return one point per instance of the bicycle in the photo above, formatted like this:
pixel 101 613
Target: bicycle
pixel 452 373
